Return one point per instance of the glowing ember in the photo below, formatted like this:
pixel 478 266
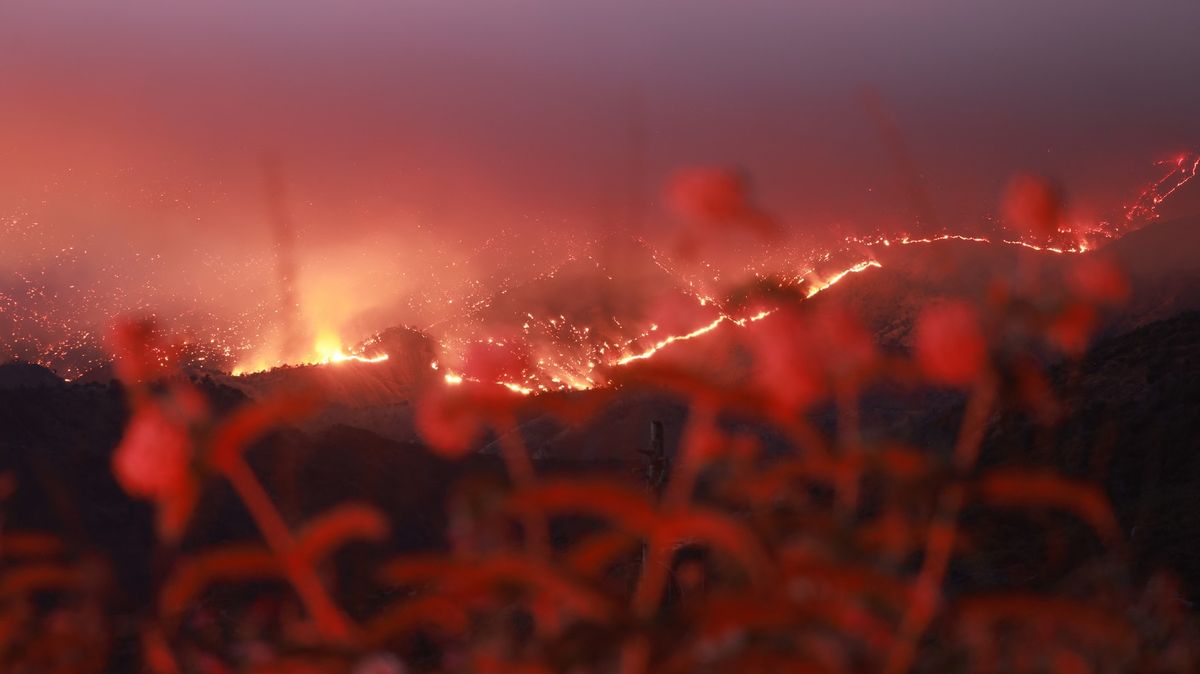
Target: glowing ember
pixel 815 288
pixel 327 350
pixel 905 240
pixel 671 340
pixel 1145 207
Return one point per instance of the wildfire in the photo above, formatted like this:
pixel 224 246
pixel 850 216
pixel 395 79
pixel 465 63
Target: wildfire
pixel 815 284
pixel 671 340
pixel 1145 207
pixel 815 288
pixel 327 350
pixel 572 366
pixel 1080 247
pixel 562 371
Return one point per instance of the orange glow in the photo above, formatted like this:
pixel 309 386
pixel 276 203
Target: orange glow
pixel 327 350
pixel 905 240
pixel 671 340
pixel 1145 207
pixel 861 266
pixel 568 369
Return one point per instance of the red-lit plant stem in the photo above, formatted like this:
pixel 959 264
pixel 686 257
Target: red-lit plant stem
pixel 943 529
pixel 850 439
pixel 520 470
pixel 330 620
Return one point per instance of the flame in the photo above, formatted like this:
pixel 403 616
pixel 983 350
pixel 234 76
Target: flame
pixel 658 346
pixel 552 375
pixel 905 240
pixel 816 284
pixel 452 379
pixel 327 349
pixel 817 287
pixel 573 371
pixel 1145 208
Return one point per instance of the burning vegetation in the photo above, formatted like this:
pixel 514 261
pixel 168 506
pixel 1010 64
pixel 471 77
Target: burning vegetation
pixel 570 349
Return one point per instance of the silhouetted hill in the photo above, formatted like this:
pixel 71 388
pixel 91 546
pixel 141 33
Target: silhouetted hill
pixel 1131 419
pixel 1163 262
pixel 26 375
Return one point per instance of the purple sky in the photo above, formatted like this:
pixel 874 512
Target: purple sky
pixel 522 109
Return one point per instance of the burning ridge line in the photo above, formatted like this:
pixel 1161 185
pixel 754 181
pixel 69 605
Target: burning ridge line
pixel 1183 169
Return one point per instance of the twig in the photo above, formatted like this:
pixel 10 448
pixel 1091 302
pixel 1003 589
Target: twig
pixel 520 469
pixel 939 543
pixel 330 619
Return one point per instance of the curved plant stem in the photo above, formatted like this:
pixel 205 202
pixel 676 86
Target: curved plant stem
pixel 939 542
pixel 520 470
pixel 329 617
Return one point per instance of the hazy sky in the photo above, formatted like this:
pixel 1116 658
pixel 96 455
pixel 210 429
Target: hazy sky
pixel 141 124
pixel 506 110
